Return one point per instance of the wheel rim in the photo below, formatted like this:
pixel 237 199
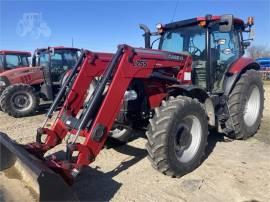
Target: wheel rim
pixel 252 107
pixel 188 138
pixel 21 101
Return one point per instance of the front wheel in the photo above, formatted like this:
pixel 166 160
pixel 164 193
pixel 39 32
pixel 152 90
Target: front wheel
pixel 246 103
pixel 177 136
pixel 19 100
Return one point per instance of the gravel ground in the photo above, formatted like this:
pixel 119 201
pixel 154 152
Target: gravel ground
pixel 232 171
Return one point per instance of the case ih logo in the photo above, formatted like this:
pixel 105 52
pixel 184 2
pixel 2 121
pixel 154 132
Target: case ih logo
pixel 175 57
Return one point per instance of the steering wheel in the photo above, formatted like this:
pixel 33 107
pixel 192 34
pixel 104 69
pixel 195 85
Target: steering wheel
pixel 195 50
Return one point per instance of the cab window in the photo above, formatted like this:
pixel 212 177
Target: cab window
pixel 43 60
pixel 56 60
pixel 12 61
pixel 173 42
pixel 24 61
pixel 1 62
pixel 228 46
pixel 70 59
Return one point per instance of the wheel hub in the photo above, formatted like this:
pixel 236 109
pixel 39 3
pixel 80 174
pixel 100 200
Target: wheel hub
pixel 188 138
pixel 252 107
pixel 21 101
pixel 183 139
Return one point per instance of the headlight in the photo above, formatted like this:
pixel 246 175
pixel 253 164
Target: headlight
pixel 160 28
pixel 130 95
pixel 2 84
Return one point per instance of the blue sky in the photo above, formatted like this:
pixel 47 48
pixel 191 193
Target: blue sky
pixel 102 25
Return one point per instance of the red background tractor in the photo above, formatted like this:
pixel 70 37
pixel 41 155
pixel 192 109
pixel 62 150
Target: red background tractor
pixel 21 88
pixel 13 59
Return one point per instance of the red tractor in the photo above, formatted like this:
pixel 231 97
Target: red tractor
pixel 13 59
pixel 22 88
pixel 197 79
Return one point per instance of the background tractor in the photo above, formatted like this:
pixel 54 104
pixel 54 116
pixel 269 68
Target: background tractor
pixel 13 59
pixel 197 79
pixel 22 88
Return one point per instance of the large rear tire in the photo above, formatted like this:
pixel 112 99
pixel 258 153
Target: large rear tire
pixel 177 136
pixel 19 100
pixel 245 104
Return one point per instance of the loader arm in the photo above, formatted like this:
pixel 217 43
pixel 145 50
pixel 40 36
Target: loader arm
pixel 93 120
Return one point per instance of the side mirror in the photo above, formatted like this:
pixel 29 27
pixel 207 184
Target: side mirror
pixel 246 44
pixel 226 23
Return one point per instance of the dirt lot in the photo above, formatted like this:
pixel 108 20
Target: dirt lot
pixel 232 171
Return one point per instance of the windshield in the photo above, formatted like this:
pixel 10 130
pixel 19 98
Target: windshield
pixel 14 61
pixel 63 59
pixel 225 46
pixel 188 39
pixel 61 62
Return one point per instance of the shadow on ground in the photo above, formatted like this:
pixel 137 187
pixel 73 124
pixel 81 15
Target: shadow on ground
pixel 94 185
pixel 213 138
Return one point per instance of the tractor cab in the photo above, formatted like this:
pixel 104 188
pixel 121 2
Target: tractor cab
pixel 13 59
pixel 214 43
pixel 55 63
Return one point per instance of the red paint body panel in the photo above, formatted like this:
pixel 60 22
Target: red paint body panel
pixel 240 64
pixel 26 75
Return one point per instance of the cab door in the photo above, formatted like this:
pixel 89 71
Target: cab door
pixel 1 63
pixel 225 49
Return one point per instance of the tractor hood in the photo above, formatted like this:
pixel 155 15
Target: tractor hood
pixel 27 75
pixel 150 53
pixel 162 55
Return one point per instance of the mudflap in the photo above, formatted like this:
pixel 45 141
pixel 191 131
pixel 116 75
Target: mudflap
pixel 45 183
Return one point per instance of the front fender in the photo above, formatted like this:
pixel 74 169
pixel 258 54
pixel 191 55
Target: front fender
pixel 5 79
pixel 188 90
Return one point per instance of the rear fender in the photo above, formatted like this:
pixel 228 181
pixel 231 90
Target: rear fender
pixel 235 72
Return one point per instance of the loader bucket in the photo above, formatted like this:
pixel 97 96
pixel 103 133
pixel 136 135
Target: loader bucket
pixel 46 184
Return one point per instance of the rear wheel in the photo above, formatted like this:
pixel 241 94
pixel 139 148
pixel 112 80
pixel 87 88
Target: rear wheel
pixel 19 100
pixel 177 136
pixel 246 103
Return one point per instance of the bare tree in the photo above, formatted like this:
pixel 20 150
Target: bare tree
pixel 258 51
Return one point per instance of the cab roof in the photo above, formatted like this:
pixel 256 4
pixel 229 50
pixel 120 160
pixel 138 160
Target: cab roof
pixel 197 20
pixel 59 48
pixel 15 52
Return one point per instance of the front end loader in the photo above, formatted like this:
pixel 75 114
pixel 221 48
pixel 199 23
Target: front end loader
pixel 174 94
